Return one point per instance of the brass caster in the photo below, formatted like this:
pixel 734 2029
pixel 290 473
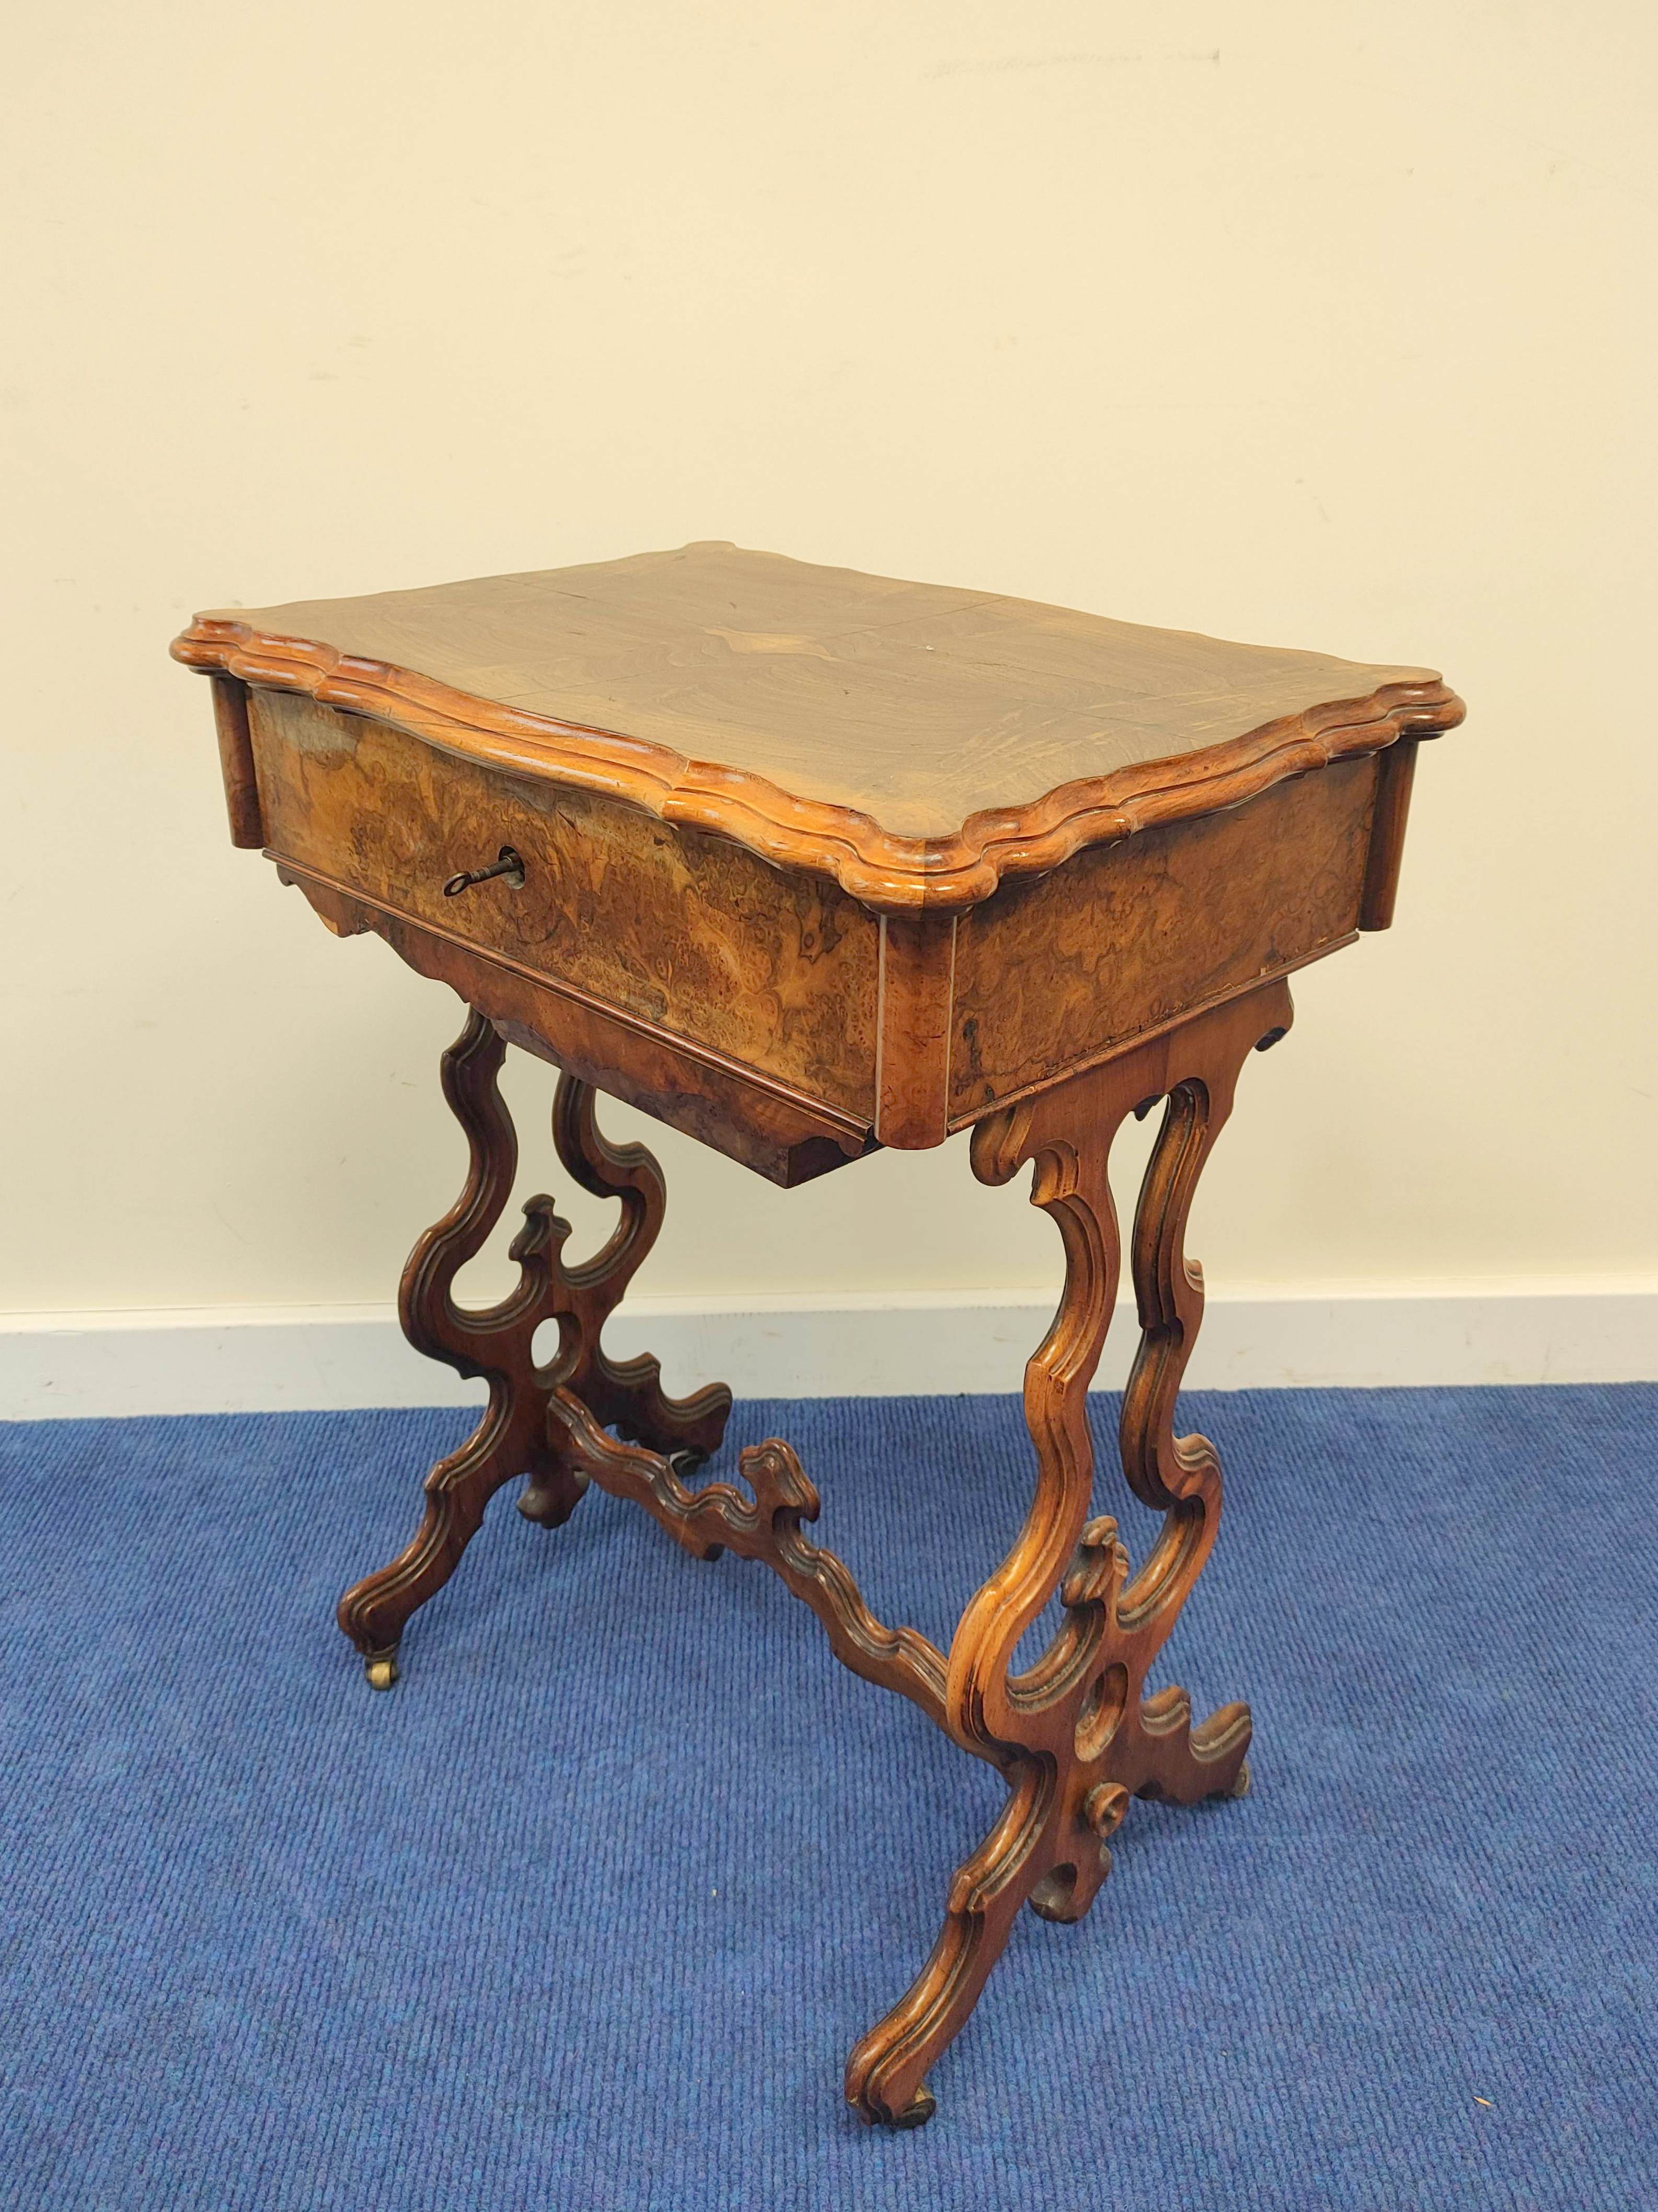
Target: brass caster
pixel 381 1668
pixel 687 1460
pixel 1103 1807
pixel 1241 1787
pixel 916 2114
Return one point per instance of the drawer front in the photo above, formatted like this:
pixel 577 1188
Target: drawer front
pixel 1056 972
pixel 681 930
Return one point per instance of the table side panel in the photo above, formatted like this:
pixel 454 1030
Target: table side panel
pixel 679 929
pixel 1054 972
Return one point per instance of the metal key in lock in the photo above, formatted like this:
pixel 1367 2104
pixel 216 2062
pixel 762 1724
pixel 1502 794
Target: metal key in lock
pixel 509 865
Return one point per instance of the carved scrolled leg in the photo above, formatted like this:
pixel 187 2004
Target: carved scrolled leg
pixel 1179 1476
pixel 625 1393
pixel 1074 1733
pixel 513 1439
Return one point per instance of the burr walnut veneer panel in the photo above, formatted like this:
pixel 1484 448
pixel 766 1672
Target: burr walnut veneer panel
pixel 1057 969
pixel 684 931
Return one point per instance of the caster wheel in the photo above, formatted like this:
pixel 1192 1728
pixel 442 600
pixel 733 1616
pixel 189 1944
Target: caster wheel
pixel 918 2111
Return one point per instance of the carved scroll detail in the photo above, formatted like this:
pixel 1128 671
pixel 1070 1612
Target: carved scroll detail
pixel 1074 1733
pixel 512 1438
pixel 627 1393
pixel 717 1518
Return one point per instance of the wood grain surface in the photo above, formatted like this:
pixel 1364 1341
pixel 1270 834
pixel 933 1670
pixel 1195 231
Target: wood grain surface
pixel 763 1010
pixel 1124 938
pixel 686 932
pixel 782 1134
pixel 914 741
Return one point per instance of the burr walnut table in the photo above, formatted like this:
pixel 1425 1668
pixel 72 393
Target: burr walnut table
pixel 803 862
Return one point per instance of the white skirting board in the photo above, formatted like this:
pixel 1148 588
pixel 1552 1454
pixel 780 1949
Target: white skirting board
pixel 264 1359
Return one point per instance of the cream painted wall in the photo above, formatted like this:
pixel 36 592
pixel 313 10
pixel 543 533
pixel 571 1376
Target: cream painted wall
pixel 1321 325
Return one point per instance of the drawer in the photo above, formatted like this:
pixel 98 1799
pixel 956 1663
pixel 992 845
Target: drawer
pixel 775 971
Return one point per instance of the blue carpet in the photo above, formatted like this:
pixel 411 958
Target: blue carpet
pixel 588 1912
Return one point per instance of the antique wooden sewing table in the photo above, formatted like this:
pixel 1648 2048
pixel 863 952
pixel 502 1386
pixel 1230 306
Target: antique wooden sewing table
pixel 805 862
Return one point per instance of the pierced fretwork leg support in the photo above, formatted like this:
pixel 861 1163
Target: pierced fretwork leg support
pixel 1074 1735
pixel 513 1436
